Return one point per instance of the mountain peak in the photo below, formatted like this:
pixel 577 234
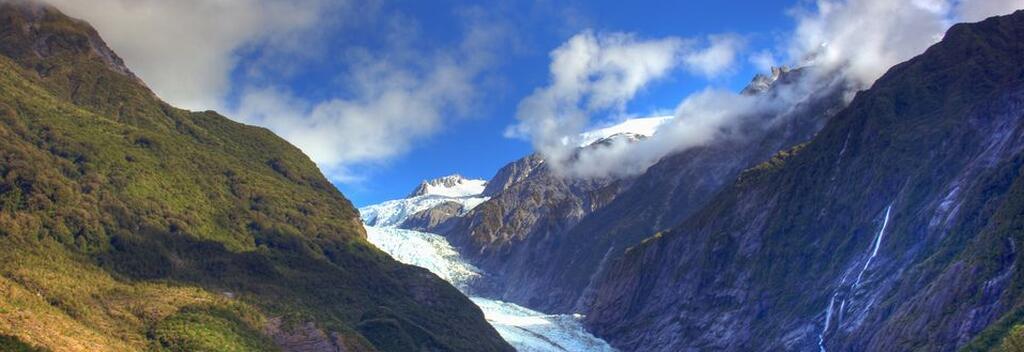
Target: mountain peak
pixel 632 129
pixel 453 185
pixel 762 82
pixel 33 31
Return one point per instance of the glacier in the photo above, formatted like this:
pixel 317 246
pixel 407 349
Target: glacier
pixel 525 329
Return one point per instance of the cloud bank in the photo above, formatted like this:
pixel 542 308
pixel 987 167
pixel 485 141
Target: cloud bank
pixel 191 54
pixel 392 107
pixel 393 91
pixel 851 41
pixel 717 58
pixel 599 73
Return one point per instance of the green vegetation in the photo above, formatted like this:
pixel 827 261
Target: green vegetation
pixel 1004 335
pixel 127 224
pixel 1014 342
pixel 13 344
pixel 209 330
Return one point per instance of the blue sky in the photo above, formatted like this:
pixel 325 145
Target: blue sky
pixel 474 145
pixel 382 94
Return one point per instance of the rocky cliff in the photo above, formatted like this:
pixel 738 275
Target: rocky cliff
pixel 896 228
pixel 544 236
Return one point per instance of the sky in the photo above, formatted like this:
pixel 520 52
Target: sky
pixel 383 94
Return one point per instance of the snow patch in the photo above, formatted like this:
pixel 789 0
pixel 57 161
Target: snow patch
pixel 646 127
pixel 453 186
pixel 393 212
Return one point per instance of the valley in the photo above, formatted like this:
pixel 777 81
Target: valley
pixel 868 195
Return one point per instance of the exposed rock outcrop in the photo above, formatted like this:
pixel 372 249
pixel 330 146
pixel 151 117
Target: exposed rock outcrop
pixel 894 229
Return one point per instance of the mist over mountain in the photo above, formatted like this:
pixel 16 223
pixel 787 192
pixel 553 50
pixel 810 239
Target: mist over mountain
pixel 726 246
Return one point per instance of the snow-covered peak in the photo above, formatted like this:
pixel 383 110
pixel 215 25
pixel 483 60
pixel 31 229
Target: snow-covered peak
pixel 393 213
pixel 429 194
pixel 633 128
pixel 450 186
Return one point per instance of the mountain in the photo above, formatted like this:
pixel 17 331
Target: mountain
pixel 542 237
pixel 128 224
pixel 516 227
pixel 896 228
pixel 524 329
pixel 431 205
pixel 637 128
pixel 449 186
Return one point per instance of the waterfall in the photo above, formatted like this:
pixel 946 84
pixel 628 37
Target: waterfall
pixel 876 244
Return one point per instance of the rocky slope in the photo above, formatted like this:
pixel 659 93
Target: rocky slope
pixel 674 188
pixel 521 224
pixel 543 236
pixel 896 228
pixel 128 224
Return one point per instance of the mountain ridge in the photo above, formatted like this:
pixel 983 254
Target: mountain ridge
pixel 129 224
pixel 453 185
pixel 892 229
pixel 543 235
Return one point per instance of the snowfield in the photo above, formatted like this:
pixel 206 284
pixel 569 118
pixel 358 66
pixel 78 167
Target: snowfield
pixel 646 127
pixel 393 212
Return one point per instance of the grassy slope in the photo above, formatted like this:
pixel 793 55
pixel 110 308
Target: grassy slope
pixel 126 222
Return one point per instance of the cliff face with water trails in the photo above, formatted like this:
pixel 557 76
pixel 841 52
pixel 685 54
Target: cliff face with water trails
pixel 127 224
pixel 896 228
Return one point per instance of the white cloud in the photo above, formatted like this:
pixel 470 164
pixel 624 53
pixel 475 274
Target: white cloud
pixel 763 60
pixel 719 57
pixel 701 118
pixel 590 72
pixel 593 74
pixel 977 10
pixel 185 50
pixel 864 38
pixel 394 94
pixel 854 40
pixel 391 108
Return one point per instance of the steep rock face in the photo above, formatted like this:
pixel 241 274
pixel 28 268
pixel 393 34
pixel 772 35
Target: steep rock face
pixel 673 189
pixel 512 173
pixel 539 207
pixel 128 224
pixel 545 237
pixel 438 219
pixel 896 228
